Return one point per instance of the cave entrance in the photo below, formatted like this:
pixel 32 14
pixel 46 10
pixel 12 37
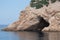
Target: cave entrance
pixel 42 23
pixel 38 26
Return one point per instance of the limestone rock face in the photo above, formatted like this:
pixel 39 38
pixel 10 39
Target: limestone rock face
pixel 37 19
pixel 54 23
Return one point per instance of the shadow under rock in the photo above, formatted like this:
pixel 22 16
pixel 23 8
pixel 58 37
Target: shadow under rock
pixel 38 26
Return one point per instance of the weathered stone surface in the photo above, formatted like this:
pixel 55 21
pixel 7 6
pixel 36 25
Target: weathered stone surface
pixel 54 23
pixel 37 19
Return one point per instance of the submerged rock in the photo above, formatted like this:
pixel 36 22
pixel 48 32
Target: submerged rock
pixel 46 18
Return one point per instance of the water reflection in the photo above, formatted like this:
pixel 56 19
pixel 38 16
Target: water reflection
pixel 32 36
pixel 54 35
pixel 38 35
pixel 29 35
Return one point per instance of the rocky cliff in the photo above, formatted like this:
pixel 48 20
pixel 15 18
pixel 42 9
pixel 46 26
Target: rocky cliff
pixel 45 18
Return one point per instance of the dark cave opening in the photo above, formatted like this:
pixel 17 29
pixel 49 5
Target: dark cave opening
pixel 38 26
pixel 42 23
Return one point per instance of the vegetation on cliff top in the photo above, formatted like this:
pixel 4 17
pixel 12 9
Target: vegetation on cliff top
pixel 39 3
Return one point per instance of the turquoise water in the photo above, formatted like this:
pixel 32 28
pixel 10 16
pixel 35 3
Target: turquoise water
pixel 24 35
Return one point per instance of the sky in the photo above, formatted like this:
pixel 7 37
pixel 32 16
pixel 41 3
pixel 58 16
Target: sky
pixel 10 10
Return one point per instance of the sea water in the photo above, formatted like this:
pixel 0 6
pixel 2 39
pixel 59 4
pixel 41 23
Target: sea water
pixel 26 35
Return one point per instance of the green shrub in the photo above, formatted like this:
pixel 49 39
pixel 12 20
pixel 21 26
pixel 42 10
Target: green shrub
pixel 33 4
pixel 39 6
pixel 44 2
pixel 32 0
pixel 39 3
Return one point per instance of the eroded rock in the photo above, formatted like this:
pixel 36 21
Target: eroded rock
pixel 47 17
